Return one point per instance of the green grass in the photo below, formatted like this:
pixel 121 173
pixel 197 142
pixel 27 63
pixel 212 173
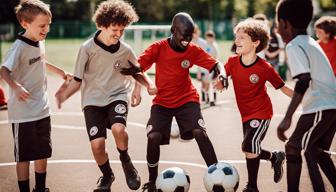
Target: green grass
pixel 63 52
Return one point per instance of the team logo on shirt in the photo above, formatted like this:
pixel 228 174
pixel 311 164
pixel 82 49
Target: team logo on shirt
pixel 93 131
pixel 117 64
pixel 254 78
pixel 120 108
pixel 185 63
pixel 254 123
pixel 201 123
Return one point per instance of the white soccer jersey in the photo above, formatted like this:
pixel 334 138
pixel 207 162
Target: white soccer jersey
pixel 98 66
pixel 306 56
pixel 26 61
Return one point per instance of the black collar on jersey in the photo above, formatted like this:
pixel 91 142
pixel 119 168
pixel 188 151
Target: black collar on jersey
pixel 112 48
pixel 247 66
pixel 177 49
pixel 26 40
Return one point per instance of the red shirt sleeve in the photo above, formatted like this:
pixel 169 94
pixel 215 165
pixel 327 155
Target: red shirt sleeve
pixel 227 66
pixel 149 56
pixel 274 78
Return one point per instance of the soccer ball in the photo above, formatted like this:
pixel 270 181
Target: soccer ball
pixel 221 177
pixel 174 131
pixel 173 179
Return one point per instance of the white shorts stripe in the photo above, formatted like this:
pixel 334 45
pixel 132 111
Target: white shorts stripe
pixel 306 136
pixel 16 141
pixel 264 128
pixel 255 137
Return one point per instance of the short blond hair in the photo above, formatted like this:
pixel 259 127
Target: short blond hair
pixel 116 12
pixel 29 9
pixel 257 30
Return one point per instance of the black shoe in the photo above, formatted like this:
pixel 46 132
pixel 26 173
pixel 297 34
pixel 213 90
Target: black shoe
pixel 277 165
pixel 3 107
pixel 212 103
pixel 132 177
pixel 104 184
pixel 149 187
pixel 45 190
pixel 250 189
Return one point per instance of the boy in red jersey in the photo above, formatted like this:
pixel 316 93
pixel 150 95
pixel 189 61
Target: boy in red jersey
pixel 249 75
pixel 176 95
pixel 325 29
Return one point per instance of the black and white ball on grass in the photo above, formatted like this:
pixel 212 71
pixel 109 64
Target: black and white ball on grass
pixel 173 179
pixel 221 177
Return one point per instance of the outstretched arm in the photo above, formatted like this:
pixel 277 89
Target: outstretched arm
pixel 136 95
pixel 66 90
pixel 53 69
pixel 222 80
pixel 300 88
pixel 287 90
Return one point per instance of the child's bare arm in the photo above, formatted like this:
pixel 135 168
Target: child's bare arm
pixel 136 95
pixel 66 90
pixel 287 90
pixel 20 91
pixel 53 69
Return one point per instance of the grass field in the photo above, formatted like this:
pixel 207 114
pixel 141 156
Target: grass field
pixel 63 52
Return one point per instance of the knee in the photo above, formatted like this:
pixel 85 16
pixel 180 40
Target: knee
pixel 293 155
pixel 154 138
pixel 199 134
pixel 98 148
pixel 118 129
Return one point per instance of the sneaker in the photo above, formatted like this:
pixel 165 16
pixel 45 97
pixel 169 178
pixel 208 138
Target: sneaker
pixel 45 190
pixel 104 184
pixel 132 177
pixel 3 107
pixel 250 189
pixel 212 103
pixel 149 187
pixel 277 165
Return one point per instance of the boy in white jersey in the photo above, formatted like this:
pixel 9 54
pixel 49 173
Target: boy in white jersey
pixel 105 90
pixel 316 88
pixel 24 69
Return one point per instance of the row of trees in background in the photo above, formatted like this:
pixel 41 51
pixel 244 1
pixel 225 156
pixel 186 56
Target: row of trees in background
pixel 161 11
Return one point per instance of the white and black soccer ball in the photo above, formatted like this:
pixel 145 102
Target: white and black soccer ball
pixel 174 130
pixel 173 179
pixel 221 177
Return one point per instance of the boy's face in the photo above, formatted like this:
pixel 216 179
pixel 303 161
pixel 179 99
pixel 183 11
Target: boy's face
pixel 321 34
pixel 38 29
pixel 244 43
pixel 182 36
pixel 114 32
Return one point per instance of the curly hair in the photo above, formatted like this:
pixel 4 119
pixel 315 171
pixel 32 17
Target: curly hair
pixel 327 24
pixel 115 12
pixel 29 9
pixel 257 30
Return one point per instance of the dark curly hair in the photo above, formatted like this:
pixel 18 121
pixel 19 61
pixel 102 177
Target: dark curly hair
pixel 28 10
pixel 257 30
pixel 115 12
pixel 327 24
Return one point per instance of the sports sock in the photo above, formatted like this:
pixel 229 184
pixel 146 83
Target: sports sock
pixel 252 171
pixel 328 168
pixel 153 155
pixel 293 172
pixel 266 155
pixel 124 157
pixel 106 169
pixel 205 146
pixel 24 186
pixel 40 181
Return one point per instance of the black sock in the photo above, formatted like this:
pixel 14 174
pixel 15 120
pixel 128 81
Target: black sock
pixel 215 96
pixel 124 157
pixel 203 95
pixel 106 169
pixel 252 171
pixel 328 168
pixel 40 181
pixel 205 146
pixel 266 155
pixel 24 186
pixel 153 155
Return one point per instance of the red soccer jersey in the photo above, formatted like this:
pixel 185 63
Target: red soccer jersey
pixel 172 77
pixel 330 50
pixel 250 89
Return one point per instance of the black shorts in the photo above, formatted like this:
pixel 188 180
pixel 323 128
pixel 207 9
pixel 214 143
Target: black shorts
pixel 32 140
pixel 188 117
pixel 98 119
pixel 254 132
pixel 314 129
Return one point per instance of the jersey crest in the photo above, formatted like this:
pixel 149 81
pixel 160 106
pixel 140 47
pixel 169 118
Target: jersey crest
pixel 185 63
pixel 254 78
pixel 117 64
pixel 254 123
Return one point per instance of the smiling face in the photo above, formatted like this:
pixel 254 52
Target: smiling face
pixel 322 35
pixel 182 35
pixel 114 32
pixel 38 29
pixel 244 43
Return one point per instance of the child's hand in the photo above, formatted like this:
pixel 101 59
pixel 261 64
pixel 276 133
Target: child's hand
pixel 152 90
pixel 221 83
pixel 282 128
pixel 68 77
pixel 21 93
pixel 135 98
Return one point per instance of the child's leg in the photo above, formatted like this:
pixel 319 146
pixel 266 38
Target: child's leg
pixel 22 171
pixel 121 140
pixel 252 165
pixel 205 146
pixel 40 174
